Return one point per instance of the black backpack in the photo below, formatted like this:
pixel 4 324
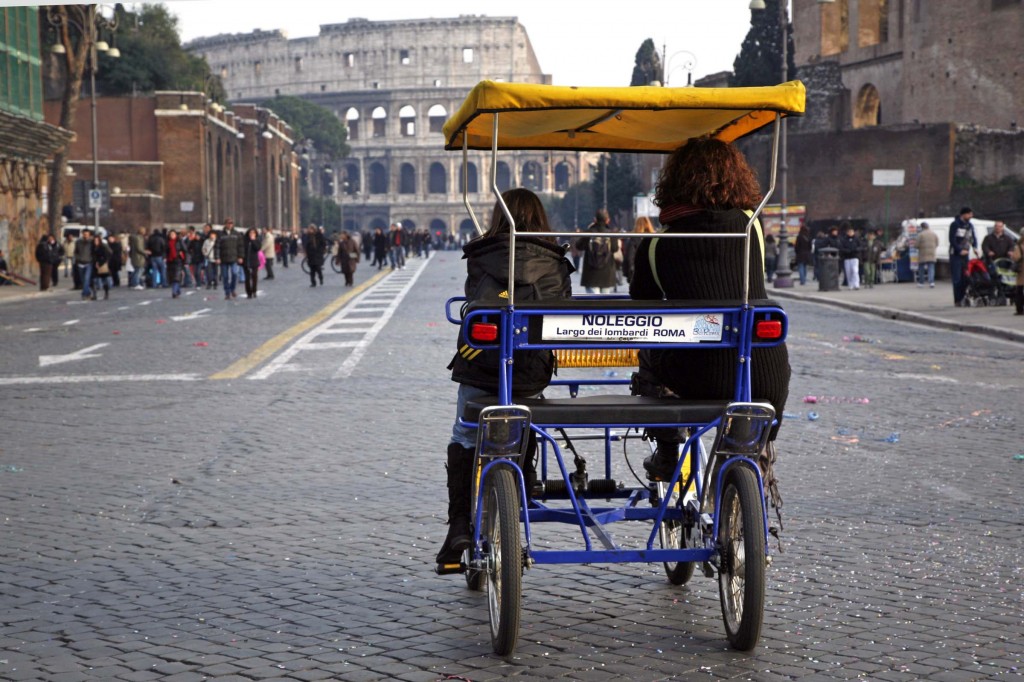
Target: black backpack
pixel 599 252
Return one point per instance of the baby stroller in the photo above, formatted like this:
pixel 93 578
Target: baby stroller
pixel 1004 278
pixel 982 289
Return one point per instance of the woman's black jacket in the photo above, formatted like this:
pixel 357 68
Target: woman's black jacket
pixel 542 274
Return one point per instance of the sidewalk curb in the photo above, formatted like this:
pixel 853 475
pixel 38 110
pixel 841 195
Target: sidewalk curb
pixel 20 296
pixel 902 315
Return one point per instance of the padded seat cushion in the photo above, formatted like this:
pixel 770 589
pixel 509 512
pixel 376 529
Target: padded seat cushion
pixel 609 410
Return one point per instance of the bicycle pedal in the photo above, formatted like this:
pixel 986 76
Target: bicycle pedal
pixel 449 569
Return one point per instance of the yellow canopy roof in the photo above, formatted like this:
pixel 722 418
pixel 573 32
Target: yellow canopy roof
pixel 636 119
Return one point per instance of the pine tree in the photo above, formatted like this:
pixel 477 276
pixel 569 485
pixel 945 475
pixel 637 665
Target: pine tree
pixel 760 59
pixel 648 65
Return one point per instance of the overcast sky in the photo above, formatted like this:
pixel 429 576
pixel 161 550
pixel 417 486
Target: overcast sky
pixel 578 43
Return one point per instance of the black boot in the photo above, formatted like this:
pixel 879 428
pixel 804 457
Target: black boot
pixel 662 464
pixel 460 531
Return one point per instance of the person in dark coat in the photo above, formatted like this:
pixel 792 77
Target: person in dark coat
pixel 380 248
pixel 315 245
pixel 804 257
pixel 116 258
pixel 600 271
pixel 44 256
pixel 100 267
pixel 705 186
pixel 252 244
pixel 348 252
pixel 542 273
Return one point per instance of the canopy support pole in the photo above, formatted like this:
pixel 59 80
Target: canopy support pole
pixel 753 217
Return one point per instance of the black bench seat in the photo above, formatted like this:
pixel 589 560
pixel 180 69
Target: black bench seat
pixel 609 410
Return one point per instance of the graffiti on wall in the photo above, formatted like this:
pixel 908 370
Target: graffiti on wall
pixel 21 226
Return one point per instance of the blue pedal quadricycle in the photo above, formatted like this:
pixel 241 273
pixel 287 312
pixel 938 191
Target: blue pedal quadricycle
pixel 711 514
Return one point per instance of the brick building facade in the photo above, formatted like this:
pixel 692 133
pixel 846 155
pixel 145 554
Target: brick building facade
pixel 929 88
pixel 394 83
pixel 172 159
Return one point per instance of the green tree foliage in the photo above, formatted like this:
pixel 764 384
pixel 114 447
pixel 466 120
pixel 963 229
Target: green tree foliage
pixel 575 208
pixel 152 57
pixel 648 65
pixel 623 185
pixel 314 122
pixel 320 210
pixel 760 59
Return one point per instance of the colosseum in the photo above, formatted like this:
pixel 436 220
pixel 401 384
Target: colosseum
pixel 394 83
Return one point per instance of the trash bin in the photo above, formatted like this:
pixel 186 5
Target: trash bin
pixel 828 269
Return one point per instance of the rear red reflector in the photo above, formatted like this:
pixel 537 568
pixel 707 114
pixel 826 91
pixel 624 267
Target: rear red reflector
pixel 483 331
pixel 768 329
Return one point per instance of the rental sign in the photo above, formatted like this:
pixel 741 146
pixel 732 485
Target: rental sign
pixel 649 328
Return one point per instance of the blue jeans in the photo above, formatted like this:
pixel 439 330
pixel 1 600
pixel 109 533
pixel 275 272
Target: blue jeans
pixel 600 290
pixel 159 266
pixel 229 276
pixel 133 277
pixel 926 270
pixel 211 273
pixel 464 435
pixel 85 274
pixel 801 268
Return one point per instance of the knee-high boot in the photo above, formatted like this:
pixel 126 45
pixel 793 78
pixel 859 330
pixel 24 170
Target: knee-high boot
pixel 460 477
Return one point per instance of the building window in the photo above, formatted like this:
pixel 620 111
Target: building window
pixel 350 59
pixel 223 72
pixel 379 122
pixel 873 26
pixel 407 179
pixel 277 91
pixel 438 181
pixel 835 28
pixel 258 67
pixel 404 58
pixel 376 85
pixel 437 82
pixel 407 121
pixel 467 55
pixel 323 87
pixel 298 64
pixel 437 115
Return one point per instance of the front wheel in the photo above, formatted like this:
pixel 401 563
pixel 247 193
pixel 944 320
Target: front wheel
pixel 305 265
pixel 503 558
pixel 741 543
pixel 336 264
pixel 673 536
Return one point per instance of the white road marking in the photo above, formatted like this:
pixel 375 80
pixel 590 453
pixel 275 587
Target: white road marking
pixel 146 302
pixel 95 378
pixel 34 329
pixel 71 322
pixel 370 319
pixel 191 316
pixel 47 360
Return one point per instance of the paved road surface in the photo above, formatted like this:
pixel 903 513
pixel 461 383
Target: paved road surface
pixel 159 523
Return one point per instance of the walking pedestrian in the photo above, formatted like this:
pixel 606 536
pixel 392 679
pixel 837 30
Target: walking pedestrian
pixel 961 241
pixel 1017 256
pixel 348 252
pixel 101 267
pixel 849 252
pixel 803 250
pixel 252 245
pixel 315 246
pixel 44 256
pixel 137 258
pixel 927 246
pixel 267 246
pixel 156 249
pixel 599 267
pixel 229 253
pixel 176 250
pixel 84 262
pixel 116 258
pixel 210 259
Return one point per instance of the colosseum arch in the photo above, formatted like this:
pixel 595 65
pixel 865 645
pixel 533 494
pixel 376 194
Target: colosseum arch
pixel 471 176
pixel 563 172
pixel 867 110
pixel 352 122
pixel 438 180
pixel 407 179
pixel 380 117
pixel 504 176
pixel 437 115
pixel 351 176
pixel 407 121
pixel 532 177
pixel 378 178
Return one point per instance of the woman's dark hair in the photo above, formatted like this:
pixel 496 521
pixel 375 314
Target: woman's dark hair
pixel 526 210
pixel 710 174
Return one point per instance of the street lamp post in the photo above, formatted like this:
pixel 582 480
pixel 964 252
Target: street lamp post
pixel 783 275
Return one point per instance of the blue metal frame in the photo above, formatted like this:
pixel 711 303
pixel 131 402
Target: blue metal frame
pixel 738 325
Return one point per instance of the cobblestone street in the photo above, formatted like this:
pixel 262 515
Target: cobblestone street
pixel 283 525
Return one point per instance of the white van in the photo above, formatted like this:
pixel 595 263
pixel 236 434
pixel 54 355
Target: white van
pixel 940 226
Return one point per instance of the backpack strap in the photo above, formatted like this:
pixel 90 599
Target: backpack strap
pixel 654 267
pixel 654 243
